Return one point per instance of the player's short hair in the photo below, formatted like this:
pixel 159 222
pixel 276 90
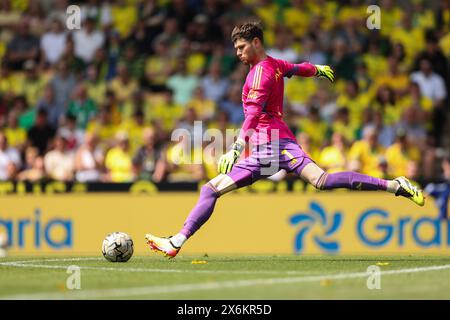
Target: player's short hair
pixel 248 31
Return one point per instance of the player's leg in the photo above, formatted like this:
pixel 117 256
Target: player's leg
pixel 322 180
pixel 242 174
pixel 210 192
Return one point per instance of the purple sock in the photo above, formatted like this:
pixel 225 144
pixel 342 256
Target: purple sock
pixel 201 212
pixel 354 181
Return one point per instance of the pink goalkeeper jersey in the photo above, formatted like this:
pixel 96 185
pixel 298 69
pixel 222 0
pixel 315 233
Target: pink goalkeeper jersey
pixel 262 98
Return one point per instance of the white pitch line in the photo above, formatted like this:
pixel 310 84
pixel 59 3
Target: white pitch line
pixel 142 291
pixel 31 264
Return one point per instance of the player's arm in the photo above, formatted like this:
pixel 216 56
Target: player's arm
pixel 256 99
pixel 307 69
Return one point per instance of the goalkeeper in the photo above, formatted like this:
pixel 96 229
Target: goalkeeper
pixel 275 145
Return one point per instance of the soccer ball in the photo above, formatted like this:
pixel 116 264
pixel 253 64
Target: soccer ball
pixel 117 247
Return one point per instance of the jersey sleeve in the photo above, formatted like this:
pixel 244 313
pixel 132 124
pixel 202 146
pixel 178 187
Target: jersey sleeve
pixel 256 100
pixel 304 69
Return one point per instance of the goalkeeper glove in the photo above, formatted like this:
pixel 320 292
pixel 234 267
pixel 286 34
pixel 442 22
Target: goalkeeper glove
pixel 324 72
pixel 227 160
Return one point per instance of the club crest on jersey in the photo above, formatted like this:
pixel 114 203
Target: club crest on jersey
pixel 252 94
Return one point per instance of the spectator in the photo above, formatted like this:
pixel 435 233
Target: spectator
pixel 82 107
pixel 434 54
pixel 124 17
pixel 148 160
pixel 103 127
pixel 41 133
pixel 75 64
pixel 365 155
pixel 182 83
pixel 15 135
pixel 22 47
pixel 431 84
pixel 166 111
pixel 73 135
pixel 123 85
pixel 53 43
pixel 334 157
pixel 233 105
pixel 205 108
pixel 48 103
pixel 342 60
pixel 59 162
pixel 214 84
pixel 118 161
pixel 63 83
pixel 9 160
pixel 88 40
pixel 400 154
pixel 311 51
pixel 181 164
pixel 96 87
pixel 441 191
pixel 88 160
pixel 34 166
pixel 135 128
pixel 133 62
pixel 413 122
pixel 171 36
pixel 159 66
pixel 283 48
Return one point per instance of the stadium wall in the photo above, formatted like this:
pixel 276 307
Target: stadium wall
pixel 280 223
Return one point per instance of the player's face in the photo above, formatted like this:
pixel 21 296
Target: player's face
pixel 245 51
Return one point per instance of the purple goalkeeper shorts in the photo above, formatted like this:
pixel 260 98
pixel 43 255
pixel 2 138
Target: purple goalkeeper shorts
pixel 268 159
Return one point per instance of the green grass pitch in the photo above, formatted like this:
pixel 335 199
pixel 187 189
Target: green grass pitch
pixel 227 277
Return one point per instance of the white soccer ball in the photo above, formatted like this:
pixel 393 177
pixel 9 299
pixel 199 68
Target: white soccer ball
pixel 117 247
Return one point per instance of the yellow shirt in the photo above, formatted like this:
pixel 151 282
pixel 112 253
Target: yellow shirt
pixel 299 90
pixel 184 162
pixel 31 89
pixel 135 134
pixel 332 159
pixel 119 165
pixel 376 64
pixel 105 132
pixel 347 130
pixel 355 105
pixel 398 160
pixel 413 40
pixel 123 91
pixel 205 109
pixel 297 20
pixel 10 83
pixel 268 14
pixel 168 114
pixel 390 19
pixel 368 158
pixel 397 82
pixel 444 43
pixel 317 131
pixel 124 18
pixel 158 68
pixel 16 137
pixel 327 10
pixel 358 13
pixel 96 90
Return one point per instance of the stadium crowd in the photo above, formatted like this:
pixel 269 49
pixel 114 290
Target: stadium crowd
pixel 100 103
